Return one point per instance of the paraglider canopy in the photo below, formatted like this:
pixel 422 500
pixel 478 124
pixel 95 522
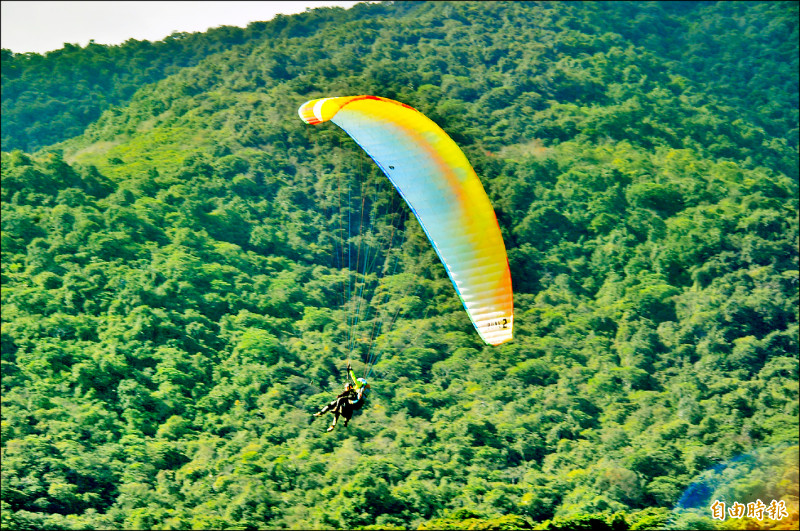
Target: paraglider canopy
pixel 440 186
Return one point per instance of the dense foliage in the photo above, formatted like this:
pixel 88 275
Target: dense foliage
pixel 49 98
pixel 172 280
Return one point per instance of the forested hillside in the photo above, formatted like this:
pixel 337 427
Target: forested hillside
pixel 49 98
pixel 176 277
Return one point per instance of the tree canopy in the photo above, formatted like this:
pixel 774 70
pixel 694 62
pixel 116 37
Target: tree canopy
pixel 173 268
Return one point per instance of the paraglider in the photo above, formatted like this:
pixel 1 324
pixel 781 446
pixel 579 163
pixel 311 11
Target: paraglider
pixel 440 186
pixel 350 400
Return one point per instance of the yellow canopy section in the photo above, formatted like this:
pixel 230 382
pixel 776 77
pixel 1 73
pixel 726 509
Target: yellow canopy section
pixel 437 181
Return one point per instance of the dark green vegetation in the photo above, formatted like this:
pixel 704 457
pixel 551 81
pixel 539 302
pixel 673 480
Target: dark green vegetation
pixel 172 313
pixel 51 97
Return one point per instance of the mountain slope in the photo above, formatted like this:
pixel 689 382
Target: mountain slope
pixel 49 98
pixel 173 293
